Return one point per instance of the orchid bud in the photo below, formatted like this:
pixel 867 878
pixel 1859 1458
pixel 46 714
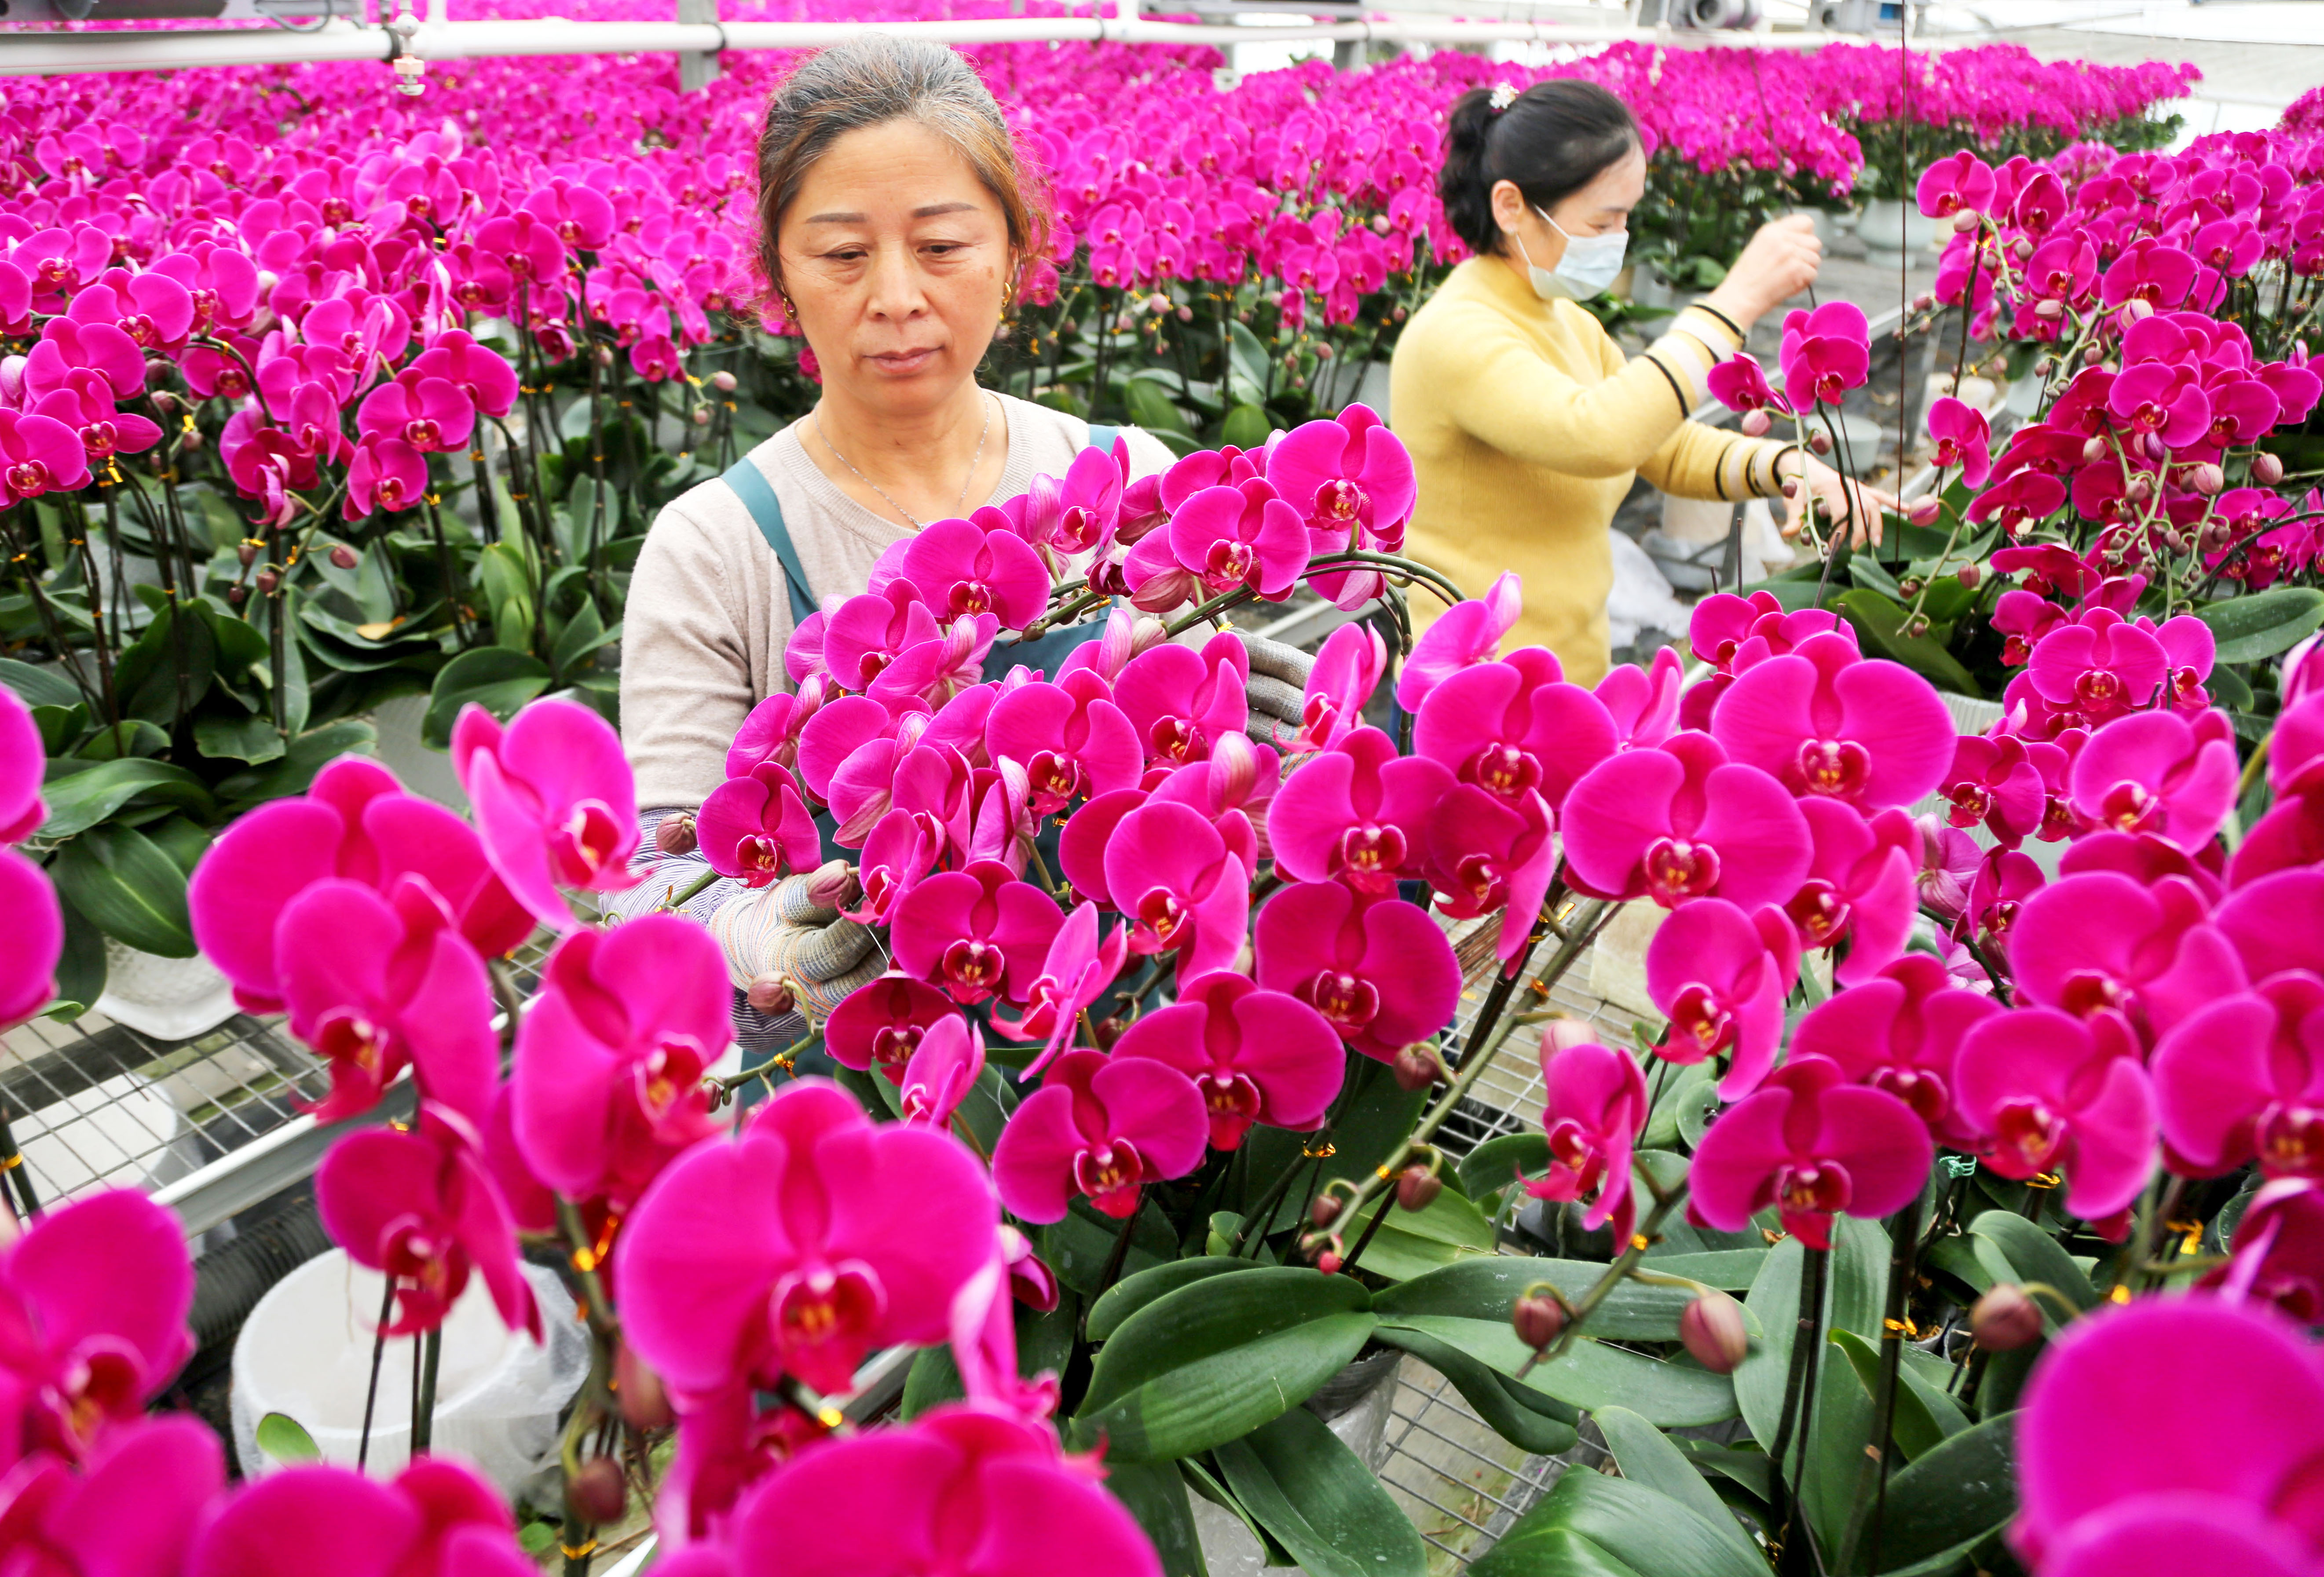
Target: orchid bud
pixel 1146 634
pixel 772 996
pixel 247 552
pixel 1329 1262
pixel 1712 1330
pixel 2093 451
pixel 605 355
pixel 343 557
pixel 2045 366
pixel 1106 1031
pixel 1923 511
pixel 2141 488
pixel 1755 423
pixel 1401 312
pixel 1416 1068
pixel 1918 625
pixel 2092 355
pixel 1323 1210
pixel 2266 469
pixel 723 381
pixel 833 886
pixel 1967 575
pixel 191 440
pixel 644 1400
pixel 1417 1187
pixel 1820 443
pixel 1537 1318
pixel 2022 248
pixel 2048 309
pixel 2209 479
pixel 1909 585
pixel 1924 301
pixel 267 580
pixel 2005 1319
pixel 701 416
pixel 2137 308
pixel 598 1494
pixel 2156 450
pixel 674 835
pixel 1791 487
pixel 234 595
pixel 2173 542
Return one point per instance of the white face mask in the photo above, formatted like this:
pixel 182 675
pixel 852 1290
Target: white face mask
pixel 1589 266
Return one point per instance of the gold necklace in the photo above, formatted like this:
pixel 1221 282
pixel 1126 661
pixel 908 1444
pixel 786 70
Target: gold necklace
pixel 959 504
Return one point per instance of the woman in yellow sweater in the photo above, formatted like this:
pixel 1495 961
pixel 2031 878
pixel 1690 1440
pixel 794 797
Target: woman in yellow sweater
pixel 1524 421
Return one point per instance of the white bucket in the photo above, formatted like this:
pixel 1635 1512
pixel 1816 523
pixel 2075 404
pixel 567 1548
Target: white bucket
pixel 170 999
pixel 306 1352
pixel 122 1133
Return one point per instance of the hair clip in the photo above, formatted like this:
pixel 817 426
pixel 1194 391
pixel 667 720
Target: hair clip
pixel 1504 96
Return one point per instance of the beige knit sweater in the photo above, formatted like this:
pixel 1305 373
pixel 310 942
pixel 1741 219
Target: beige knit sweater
pixel 707 618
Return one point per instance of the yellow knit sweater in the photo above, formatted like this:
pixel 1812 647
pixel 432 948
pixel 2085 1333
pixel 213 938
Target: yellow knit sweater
pixel 1526 424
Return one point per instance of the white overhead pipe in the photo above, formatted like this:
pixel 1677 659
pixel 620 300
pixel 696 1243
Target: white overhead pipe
pixel 45 55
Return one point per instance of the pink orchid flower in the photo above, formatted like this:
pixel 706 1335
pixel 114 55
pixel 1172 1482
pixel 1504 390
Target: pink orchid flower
pixel 1824 353
pixel 1513 726
pixel 962 568
pixel 1901 1032
pixel 943 1068
pixel 1948 862
pixel 1464 635
pixel 1257 1056
pixel 421 1207
pixel 1232 537
pixel 1358 813
pixel 1813 1146
pixel 385 473
pixel 1171 877
pixel 1998 891
pixel 436 1519
pixel 772 730
pixel 976 933
pixel 882 1021
pixel 1859 887
pixel 864 633
pixel 2275 923
pixel 758 828
pixel 2104 942
pixel 1073 975
pixel 1485 854
pixel 1682 823
pixel 1379 970
pixel 23 759
pixel 1070 737
pixel 2156 773
pixel 1234 791
pixel 1594 1105
pixel 2056 1093
pixel 2243 1079
pixel 1962 441
pixel 1824 720
pixel 38 455
pixel 2238 1373
pixel 2098 666
pixel 958 1489
pixel 1181 701
pixel 903 847
pixel 984 1347
pixel 379 983
pixel 352 821
pixel 554 802
pixel 1740 383
pixel 610 1055
pixel 1346 672
pixel 1720 977
pixel 801 1246
pixel 36 924
pixel 428 413
pixel 932 672
pixel 93 1303
pixel 1995 782
pixel 1352 481
pixel 128 1514
pixel 1958 183
pixel 1100 1128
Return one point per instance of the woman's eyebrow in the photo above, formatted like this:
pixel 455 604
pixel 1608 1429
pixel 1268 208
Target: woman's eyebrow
pixel 931 211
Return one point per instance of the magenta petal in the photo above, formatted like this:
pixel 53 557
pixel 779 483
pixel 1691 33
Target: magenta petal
pixel 1885 1149
pixel 255 867
pixel 132 1513
pixel 2172 1534
pixel 696 1257
pixel 36 938
pixel 2211 1078
pixel 562 1091
pixel 2246 1374
pixel 1088 833
pixel 2277 922
pixel 1615 811
pixel 371 1181
pixel 2114 1143
pixel 937 912
pixel 1157 1109
pixel 1737 1155
pixel 112 1269
pixel 332 1522
pixel 1292 1055
pixel 1762 839
pixel 513 833
pixel 22 758
pixel 915 1204
pixel 1033 1163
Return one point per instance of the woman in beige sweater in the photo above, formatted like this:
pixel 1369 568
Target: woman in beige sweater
pixel 894 225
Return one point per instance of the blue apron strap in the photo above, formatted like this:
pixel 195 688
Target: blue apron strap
pixel 1102 436
pixel 750 484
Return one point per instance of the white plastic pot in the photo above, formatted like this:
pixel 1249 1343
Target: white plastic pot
pixel 170 999
pixel 306 1352
pixel 1890 228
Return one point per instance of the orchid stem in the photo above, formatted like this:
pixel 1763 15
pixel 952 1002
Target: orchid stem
pixel 1791 1528
pixel 378 1351
pixel 1266 1206
pixel 682 897
pixel 1905 1242
pixel 1625 1265
pixel 423 1416
pixel 1116 1259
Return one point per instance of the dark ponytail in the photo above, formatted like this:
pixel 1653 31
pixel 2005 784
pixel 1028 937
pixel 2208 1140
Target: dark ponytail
pixel 1554 137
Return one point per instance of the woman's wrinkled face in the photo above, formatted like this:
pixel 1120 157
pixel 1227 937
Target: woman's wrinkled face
pixel 896 258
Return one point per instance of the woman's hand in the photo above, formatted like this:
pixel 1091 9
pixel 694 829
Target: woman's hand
pixel 1840 504
pixel 1779 262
